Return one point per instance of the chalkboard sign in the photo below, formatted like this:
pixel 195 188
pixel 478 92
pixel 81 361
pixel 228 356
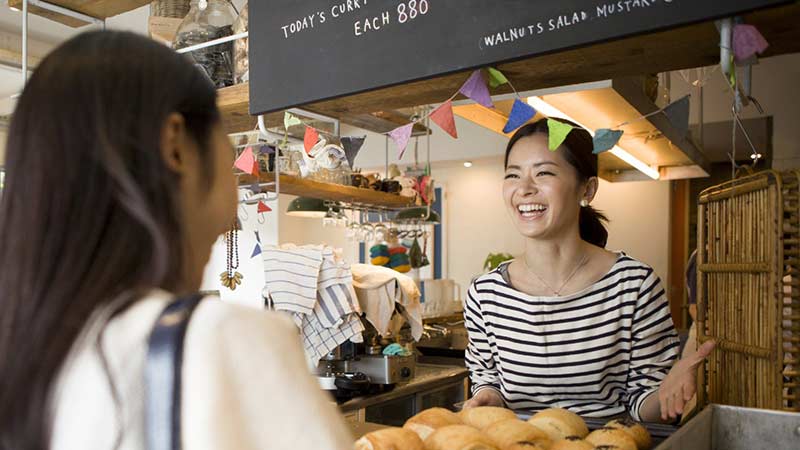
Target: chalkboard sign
pixel 302 51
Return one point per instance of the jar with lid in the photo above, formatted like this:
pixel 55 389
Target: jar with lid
pixel 208 20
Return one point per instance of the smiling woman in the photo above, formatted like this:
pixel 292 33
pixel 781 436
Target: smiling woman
pixel 567 323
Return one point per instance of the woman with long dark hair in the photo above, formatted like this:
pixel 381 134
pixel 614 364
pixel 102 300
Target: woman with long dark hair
pixel 119 180
pixel 568 323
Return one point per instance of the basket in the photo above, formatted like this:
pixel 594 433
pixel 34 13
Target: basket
pixel 176 9
pixel 749 291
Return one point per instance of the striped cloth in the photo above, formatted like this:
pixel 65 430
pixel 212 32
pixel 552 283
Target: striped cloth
pixel 291 276
pixel 599 352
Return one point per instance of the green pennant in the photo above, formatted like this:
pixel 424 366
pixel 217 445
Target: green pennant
pixel 290 120
pixel 496 78
pixel 558 132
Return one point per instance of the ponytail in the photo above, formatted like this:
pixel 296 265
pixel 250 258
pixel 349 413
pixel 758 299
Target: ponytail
pixel 591 226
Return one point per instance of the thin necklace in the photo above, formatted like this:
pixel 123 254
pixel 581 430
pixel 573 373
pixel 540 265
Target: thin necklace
pixel 556 291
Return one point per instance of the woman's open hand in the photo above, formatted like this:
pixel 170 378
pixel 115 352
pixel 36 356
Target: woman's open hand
pixel 680 385
pixel 485 397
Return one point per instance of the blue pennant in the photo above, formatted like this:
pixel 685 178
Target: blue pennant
pixel 605 139
pixel 256 251
pixel 521 112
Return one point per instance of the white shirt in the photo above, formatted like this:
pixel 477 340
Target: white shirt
pixel 245 384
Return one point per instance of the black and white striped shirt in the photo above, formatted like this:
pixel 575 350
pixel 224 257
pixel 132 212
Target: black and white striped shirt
pixel 598 352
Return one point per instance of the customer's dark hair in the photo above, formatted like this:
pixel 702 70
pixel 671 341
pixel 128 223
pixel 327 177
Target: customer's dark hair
pixel 90 212
pixel 577 150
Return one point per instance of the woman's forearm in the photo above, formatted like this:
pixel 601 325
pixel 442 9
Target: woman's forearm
pixel 650 410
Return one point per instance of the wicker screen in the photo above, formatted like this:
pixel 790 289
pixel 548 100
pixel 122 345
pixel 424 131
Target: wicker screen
pixel 749 291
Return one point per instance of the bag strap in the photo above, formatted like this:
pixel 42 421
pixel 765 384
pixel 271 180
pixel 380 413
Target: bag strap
pixel 163 374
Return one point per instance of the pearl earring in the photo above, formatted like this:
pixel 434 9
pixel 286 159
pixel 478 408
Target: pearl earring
pixel 584 203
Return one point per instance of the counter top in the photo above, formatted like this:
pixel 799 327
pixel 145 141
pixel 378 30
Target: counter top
pixel 427 377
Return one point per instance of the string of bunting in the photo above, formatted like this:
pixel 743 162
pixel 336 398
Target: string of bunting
pixel 747 42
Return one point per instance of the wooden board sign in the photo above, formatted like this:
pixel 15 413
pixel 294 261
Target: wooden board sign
pixel 311 50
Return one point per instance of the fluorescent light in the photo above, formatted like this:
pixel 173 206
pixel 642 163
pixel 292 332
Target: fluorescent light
pixel 551 111
pixel 467 164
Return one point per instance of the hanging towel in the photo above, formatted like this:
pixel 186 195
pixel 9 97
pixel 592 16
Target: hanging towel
pixel 378 290
pixel 291 277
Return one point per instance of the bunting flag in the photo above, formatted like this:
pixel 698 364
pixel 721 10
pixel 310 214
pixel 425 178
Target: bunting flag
pixel 475 88
pixel 246 162
pixel 677 113
pixel 266 150
pixel 310 139
pixel 352 145
pixel 290 120
pixel 747 41
pixel 263 208
pixel 400 136
pixel 605 139
pixel 256 251
pixel 496 78
pixel 258 237
pixel 521 113
pixel 443 116
pixel 557 132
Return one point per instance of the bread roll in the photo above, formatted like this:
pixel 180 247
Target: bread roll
pixel 530 445
pixel 459 437
pixel 611 437
pixel 431 419
pixel 483 416
pixel 390 439
pixel 559 423
pixel 635 430
pixel 571 443
pixel 506 433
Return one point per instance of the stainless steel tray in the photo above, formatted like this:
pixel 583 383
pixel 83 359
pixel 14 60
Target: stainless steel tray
pixel 720 427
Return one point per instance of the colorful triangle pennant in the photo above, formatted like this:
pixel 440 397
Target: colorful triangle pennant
pixel 496 78
pixel 476 89
pixel 400 136
pixel 677 113
pixel 263 208
pixel 557 132
pixel 290 120
pixel 246 162
pixel 443 116
pixel 605 139
pixel 521 112
pixel 310 139
pixel 747 41
pixel 352 145
pixel 256 251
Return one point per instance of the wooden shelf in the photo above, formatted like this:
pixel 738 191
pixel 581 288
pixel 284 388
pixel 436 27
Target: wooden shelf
pixel 99 9
pixel 680 48
pixel 307 188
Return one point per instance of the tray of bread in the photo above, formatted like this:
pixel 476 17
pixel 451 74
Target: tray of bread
pixel 493 428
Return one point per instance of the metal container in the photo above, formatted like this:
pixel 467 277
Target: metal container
pixel 383 369
pixel 720 427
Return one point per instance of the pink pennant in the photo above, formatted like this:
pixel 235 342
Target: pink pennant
pixel 263 208
pixel 747 41
pixel 476 89
pixel 400 136
pixel 310 139
pixel 246 162
pixel 443 116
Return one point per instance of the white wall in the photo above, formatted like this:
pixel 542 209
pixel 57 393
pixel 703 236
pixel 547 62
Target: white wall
pixel 774 86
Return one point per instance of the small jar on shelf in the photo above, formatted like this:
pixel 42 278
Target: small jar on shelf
pixel 208 20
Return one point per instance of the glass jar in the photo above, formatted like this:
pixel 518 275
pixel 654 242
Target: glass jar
pixel 241 69
pixel 208 20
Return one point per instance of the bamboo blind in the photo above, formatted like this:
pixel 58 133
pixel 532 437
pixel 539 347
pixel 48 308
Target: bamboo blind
pixel 748 291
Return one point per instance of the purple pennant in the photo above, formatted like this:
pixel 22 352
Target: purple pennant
pixel 400 136
pixel 747 41
pixel 256 251
pixel 476 89
pixel 266 150
pixel 521 112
